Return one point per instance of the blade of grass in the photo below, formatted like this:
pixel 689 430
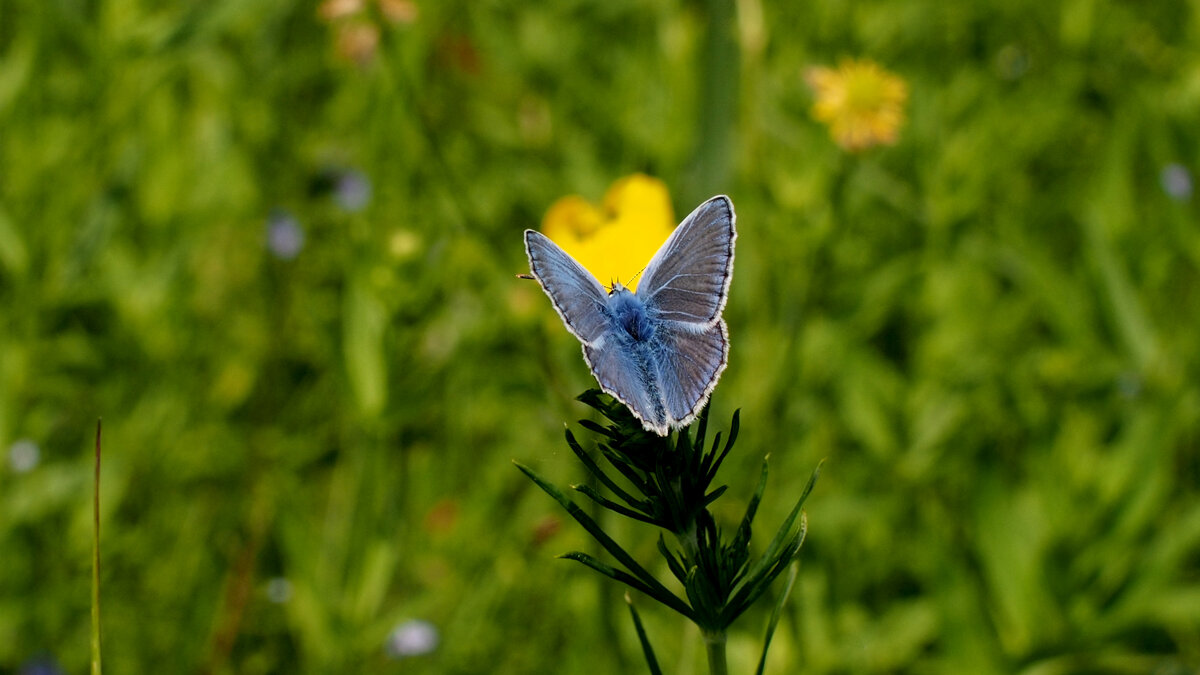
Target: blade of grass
pixel 657 590
pixel 711 465
pixel 647 650
pixel 747 591
pixel 609 571
pixel 787 590
pixel 611 505
pixel 742 538
pixel 770 557
pixel 673 562
pixel 598 472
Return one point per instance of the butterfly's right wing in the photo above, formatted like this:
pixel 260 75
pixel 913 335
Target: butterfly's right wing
pixel 689 363
pixel 688 279
pixel 576 295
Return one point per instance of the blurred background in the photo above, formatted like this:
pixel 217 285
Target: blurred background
pixel 273 245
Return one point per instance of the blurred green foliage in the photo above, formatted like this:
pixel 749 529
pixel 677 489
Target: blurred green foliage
pixel 990 329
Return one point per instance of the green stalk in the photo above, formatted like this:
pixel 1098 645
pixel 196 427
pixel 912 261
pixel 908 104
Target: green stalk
pixel 720 67
pixel 714 644
pixel 690 541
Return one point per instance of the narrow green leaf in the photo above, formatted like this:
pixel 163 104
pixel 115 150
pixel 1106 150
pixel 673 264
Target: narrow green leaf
pixel 673 562
pixel 787 590
pixel 734 426
pixel 596 428
pixel 659 591
pixel 365 321
pixel 742 539
pixel 647 650
pixel 691 587
pixel 632 474
pixel 706 601
pixel 613 573
pixel 691 452
pixel 772 555
pixel 784 531
pixel 611 505
pixel 599 473
pixel 714 495
pixel 704 468
pixel 671 498
pixel 747 591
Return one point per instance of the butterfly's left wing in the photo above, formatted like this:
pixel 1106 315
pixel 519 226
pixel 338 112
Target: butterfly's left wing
pixel 626 378
pixel 582 303
pixel 688 279
pixel 689 364
pixel 576 295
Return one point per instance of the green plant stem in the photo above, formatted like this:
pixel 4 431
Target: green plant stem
pixel 690 541
pixel 714 644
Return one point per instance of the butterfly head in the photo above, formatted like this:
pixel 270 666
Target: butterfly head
pixel 628 312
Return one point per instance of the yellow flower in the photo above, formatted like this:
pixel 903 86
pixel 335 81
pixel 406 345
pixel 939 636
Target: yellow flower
pixel 616 241
pixel 860 102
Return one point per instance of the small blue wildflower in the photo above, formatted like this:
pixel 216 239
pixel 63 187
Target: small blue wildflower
pixel 24 455
pixel 41 665
pixel 412 638
pixel 352 191
pixel 1176 182
pixel 285 239
pixel 279 590
pixel 1012 62
pixel 1129 384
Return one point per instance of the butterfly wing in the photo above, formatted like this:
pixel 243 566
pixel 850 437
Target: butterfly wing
pixel 688 279
pixel 628 378
pixel 684 289
pixel 576 295
pixel 689 364
pixel 581 301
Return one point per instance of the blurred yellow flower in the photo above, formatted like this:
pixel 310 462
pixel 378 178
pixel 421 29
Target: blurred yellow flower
pixel 403 244
pixel 860 102
pixel 616 241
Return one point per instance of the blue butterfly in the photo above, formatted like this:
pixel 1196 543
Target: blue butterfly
pixel 660 350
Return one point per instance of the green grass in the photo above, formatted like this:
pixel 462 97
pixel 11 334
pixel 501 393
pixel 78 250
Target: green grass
pixel 989 330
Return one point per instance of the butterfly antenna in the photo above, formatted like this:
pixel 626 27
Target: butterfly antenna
pixel 634 277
